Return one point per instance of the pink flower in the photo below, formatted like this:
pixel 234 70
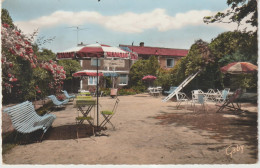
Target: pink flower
pixel 12 51
pixel 18 46
pixel 17 33
pixel 5 25
pixel 9 75
pixel 26 42
pixel 33 66
pixel 14 80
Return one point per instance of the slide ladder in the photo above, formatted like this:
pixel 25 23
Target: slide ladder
pixel 182 85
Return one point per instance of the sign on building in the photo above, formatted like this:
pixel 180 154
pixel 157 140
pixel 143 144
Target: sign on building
pixel 114 63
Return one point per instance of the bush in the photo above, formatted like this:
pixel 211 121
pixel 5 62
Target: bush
pixel 127 92
pixel 106 91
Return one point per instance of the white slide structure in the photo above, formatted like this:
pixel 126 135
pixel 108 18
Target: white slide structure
pixel 182 85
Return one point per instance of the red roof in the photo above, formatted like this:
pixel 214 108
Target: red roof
pixel 143 50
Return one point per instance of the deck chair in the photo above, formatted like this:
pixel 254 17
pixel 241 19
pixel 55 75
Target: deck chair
pixel 172 88
pixel 68 96
pixel 107 114
pixel 56 102
pixel 25 119
pixel 230 103
pixel 181 97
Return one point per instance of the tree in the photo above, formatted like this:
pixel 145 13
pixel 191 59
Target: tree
pixel 227 47
pixel 140 69
pixel 70 66
pixel 235 46
pixel 198 58
pixel 5 18
pixel 136 74
pixel 240 9
pixel 23 75
pixel 152 65
pixel 45 55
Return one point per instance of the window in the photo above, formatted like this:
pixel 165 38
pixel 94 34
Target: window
pixel 123 79
pixel 170 63
pixel 92 80
pixel 94 62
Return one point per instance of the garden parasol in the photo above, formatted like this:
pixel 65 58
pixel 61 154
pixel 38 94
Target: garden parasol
pixel 149 78
pixel 96 51
pixel 239 68
pixel 85 73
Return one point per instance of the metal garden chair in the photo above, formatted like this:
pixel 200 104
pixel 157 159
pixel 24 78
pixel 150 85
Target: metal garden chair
pixel 107 114
pixel 181 97
pixel 223 95
pixel 198 97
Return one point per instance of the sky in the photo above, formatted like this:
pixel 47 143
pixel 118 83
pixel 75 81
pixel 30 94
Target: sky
pixel 157 23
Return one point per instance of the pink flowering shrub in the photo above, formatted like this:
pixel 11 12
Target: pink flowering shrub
pixel 57 72
pixel 19 61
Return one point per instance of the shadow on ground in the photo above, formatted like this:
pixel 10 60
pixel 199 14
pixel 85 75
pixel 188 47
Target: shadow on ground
pixel 241 126
pixel 66 132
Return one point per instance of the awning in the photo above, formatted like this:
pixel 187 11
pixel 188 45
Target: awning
pixel 85 73
pixel 112 74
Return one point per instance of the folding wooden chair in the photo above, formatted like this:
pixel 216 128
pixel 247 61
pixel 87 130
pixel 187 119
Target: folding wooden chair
pixel 107 114
pixel 230 103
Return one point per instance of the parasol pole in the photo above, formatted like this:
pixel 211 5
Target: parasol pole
pixel 97 92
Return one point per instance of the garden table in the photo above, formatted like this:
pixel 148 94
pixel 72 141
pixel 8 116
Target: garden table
pixel 87 93
pixel 84 104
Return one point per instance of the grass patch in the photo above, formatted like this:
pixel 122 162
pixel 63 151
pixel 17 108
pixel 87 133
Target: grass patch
pixel 45 108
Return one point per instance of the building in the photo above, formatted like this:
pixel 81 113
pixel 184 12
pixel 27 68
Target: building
pixel 114 70
pixel 112 76
pixel 167 57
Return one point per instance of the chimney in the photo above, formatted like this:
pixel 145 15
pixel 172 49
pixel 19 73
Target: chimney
pixel 142 44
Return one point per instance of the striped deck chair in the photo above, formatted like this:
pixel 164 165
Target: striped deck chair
pixel 231 103
pixel 25 119
pixel 56 102
pixel 68 96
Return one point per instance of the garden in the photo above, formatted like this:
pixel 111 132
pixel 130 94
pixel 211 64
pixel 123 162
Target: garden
pixel 30 72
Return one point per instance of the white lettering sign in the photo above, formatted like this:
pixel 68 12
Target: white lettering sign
pixel 114 63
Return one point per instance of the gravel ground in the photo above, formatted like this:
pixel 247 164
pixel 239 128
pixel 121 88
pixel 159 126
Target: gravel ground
pixel 148 131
